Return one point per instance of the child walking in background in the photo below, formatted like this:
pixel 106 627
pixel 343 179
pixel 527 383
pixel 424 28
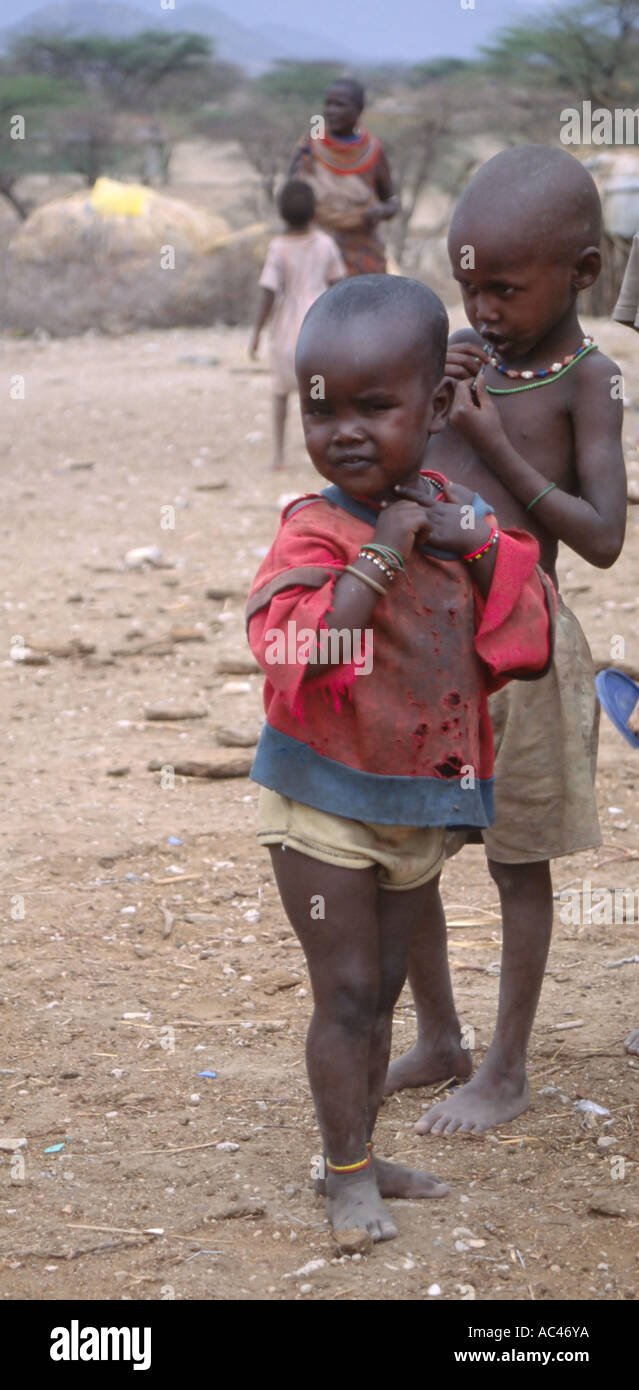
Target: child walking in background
pixel 300 264
pixel 362 764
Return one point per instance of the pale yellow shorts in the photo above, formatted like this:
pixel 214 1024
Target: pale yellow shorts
pixel 405 856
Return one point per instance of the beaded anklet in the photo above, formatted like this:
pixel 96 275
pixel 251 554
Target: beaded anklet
pixel 350 1167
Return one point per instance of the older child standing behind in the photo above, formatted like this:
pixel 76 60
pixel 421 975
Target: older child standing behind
pixel 536 428
pixel 300 264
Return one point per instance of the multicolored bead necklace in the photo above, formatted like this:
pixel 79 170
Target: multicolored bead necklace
pixel 539 378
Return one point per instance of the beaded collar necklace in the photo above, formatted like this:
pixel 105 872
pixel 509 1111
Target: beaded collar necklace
pixel 539 378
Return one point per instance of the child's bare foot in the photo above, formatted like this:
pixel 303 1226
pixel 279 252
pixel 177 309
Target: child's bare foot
pixel 427 1063
pixel 278 465
pixel 394 1180
pixel 490 1099
pixel 632 1042
pixel 354 1203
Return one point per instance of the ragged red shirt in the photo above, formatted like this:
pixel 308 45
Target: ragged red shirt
pixel 410 741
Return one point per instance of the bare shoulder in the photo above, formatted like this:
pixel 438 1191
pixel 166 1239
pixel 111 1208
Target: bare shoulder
pixel 597 370
pixel 596 407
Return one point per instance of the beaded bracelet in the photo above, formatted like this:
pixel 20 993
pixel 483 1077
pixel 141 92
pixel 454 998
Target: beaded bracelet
pixel 395 560
pixel 387 571
pixel 384 554
pixel 375 559
pixel 476 554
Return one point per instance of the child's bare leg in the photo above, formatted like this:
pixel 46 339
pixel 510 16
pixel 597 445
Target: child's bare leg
pixel 437 1054
pixel 279 426
pixel 397 914
pixel 343 959
pixel 499 1092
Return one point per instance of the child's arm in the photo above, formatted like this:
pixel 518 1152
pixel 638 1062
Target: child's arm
pixel 515 602
pixel 339 600
pixel 264 309
pixel 592 524
pixel 354 599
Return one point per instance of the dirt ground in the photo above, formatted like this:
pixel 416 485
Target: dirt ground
pixel 143 942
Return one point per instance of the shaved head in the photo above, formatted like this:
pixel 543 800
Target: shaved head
pixel 531 196
pixel 394 305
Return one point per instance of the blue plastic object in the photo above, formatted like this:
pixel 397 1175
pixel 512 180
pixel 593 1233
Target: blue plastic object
pixel 618 695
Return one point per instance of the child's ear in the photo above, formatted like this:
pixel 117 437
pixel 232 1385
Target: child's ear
pixel 442 401
pixel 587 268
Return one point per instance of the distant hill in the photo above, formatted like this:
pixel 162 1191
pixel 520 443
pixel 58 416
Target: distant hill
pixel 254 48
pixel 78 17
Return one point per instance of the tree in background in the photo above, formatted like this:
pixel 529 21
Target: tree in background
pixel 414 140
pixel 75 93
pixel 588 50
pixel 301 84
pixel 125 71
pixel 34 100
pixel 271 116
pixel 95 140
pixel 431 123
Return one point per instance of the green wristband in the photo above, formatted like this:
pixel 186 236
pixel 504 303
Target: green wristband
pixel 539 496
pixel 388 549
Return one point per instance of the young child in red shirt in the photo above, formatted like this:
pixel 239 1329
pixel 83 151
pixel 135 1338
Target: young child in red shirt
pixel 387 609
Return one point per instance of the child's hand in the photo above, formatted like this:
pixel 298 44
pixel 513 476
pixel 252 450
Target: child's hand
pixel 401 522
pixel 254 342
pixel 445 523
pixel 463 360
pixel 477 418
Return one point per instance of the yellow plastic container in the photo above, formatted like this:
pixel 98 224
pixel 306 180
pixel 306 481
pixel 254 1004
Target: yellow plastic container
pixel 112 199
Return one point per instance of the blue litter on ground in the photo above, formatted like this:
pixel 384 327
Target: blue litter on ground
pixel 211 1075
pixel 173 840
pixel 54 1148
pixel 618 695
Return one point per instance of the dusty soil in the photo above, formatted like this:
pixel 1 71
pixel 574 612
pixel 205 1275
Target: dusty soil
pixel 143 941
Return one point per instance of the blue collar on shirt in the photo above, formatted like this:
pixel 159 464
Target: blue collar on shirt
pixel 364 512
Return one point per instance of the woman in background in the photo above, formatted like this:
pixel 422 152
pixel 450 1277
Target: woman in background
pixel 349 174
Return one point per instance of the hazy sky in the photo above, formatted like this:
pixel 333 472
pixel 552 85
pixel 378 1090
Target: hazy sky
pixel 395 29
